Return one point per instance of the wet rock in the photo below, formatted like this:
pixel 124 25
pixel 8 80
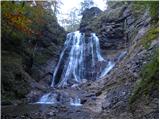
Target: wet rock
pixel 6 102
pixel 34 95
pixel 83 101
pixel 74 85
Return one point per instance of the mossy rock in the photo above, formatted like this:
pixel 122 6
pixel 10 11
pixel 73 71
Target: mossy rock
pixel 149 79
pixel 151 35
pixel 115 4
pixel 115 14
pixel 43 56
pixel 138 8
pixel 15 82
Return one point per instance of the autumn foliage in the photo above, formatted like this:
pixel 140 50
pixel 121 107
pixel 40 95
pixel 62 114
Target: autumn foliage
pixel 22 17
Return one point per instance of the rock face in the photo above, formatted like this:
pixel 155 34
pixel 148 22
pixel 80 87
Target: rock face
pixel 88 15
pixel 45 58
pixel 109 26
pixel 15 81
pixel 125 92
pixel 115 27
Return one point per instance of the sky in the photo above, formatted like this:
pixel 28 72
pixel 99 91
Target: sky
pixel 68 5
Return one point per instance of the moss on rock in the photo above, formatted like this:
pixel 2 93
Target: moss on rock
pixel 152 34
pixel 42 57
pixel 139 7
pixel 149 79
pixel 14 80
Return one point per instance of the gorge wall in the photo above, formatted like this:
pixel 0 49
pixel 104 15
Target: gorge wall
pixel 129 90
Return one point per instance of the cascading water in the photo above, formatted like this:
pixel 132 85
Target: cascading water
pixel 48 98
pixel 80 60
pixel 75 101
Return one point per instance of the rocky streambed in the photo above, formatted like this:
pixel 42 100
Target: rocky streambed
pixel 63 107
pixel 39 111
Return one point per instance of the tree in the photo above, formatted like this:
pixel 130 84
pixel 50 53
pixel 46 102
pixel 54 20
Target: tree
pixel 55 5
pixel 86 4
pixel 22 23
pixel 73 20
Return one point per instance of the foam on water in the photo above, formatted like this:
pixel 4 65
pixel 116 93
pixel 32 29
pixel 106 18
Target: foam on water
pixel 48 98
pixel 75 101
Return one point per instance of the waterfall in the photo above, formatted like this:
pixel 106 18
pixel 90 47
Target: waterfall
pixel 79 61
pixel 48 98
pixel 75 101
pixel 109 66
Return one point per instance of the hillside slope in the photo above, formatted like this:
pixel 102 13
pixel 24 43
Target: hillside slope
pixel 31 42
pixel 131 88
